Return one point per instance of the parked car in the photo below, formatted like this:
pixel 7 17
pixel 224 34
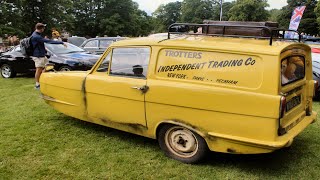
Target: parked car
pixel 99 45
pixel 316 69
pixel 75 40
pixel 195 93
pixel 314 43
pixel 64 59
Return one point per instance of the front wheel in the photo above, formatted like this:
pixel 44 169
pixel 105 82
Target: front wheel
pixel 182 144
pixel 65 68
pixel 7 71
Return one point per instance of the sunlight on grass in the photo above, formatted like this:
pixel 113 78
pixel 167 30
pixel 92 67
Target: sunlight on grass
pixel 39 143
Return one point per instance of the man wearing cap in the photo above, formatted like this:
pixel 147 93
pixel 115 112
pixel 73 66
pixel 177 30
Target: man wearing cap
pixel 39 51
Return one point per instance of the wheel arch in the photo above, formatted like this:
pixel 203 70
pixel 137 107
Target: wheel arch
pixel 182 124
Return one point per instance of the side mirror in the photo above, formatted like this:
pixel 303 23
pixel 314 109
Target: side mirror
pixel 49 67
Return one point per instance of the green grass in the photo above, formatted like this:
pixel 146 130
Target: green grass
pixel 36 142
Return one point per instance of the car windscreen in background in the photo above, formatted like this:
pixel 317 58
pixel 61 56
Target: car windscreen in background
pixel 61 49
pixel 292 69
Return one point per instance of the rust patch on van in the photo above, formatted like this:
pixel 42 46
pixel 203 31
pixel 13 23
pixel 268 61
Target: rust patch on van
pixel 203 132
pixel 83 90
pixel 130 126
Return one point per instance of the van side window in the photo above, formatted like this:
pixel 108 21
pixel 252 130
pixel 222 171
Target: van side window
pixel 132 62
pixel 105 64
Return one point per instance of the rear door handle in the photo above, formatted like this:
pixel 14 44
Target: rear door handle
pixel 143 89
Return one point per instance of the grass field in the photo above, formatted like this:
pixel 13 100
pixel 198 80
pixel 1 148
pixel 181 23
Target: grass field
pixel 36 142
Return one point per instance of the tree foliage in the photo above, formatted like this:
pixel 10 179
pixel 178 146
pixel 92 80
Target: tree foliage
pixel 249 10
pixel 274 14
pixel 123 17
pixel 80 17
pixel 195 11
pixel 166 15
pixel 308 22
pixel 317 11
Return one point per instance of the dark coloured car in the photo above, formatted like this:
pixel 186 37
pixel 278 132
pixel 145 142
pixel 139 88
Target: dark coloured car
pixel 64 59
pixel 99 45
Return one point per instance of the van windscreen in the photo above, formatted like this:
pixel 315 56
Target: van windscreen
pixel 292 69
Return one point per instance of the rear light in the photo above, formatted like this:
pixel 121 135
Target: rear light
pixel 315 50
pixel 283 103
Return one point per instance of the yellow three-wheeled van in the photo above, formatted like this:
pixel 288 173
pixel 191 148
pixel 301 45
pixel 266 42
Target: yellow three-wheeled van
pixel 197 91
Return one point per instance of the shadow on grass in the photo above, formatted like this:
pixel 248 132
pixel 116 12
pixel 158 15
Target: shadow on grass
pixel 271 164
pixel 110 132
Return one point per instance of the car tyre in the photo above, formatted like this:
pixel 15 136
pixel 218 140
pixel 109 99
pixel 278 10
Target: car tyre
pixel 7 71
pixel 182 144
pixel 65 68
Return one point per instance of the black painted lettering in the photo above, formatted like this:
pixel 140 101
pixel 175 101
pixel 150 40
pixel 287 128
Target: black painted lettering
pixel 193 66
pixel 215 64
pixel 171 68
pixel 210 62
pixel 225 63
pixel 203 64
pixel 175 67
pixel 167 52
pixel 220 64
pixel 234 63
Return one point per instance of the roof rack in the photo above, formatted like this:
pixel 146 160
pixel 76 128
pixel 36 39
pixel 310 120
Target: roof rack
pixel 232 29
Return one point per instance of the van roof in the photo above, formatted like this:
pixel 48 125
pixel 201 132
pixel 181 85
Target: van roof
pixel 246 45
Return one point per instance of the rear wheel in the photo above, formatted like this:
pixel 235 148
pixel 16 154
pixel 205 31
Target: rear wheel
pixel 182 144
pixel 7 71
pixel 65 68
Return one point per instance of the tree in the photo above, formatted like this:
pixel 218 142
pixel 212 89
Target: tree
pixel 109 17
pixel 249 10
pixel 317 11
pixel 8 24
pixel 274 15
pixel 166 15
pixel 308 22
pixel 53 13
pixel 195 11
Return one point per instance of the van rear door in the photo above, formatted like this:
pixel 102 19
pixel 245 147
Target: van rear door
pixel 295 84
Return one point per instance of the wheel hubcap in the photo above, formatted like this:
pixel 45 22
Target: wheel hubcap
pixel 6 71
pixel 181 142
pixel 64 69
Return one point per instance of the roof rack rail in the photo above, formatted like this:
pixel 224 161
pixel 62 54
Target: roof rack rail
pixel 232 30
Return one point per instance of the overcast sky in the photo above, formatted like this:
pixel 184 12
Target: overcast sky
pixel 151 5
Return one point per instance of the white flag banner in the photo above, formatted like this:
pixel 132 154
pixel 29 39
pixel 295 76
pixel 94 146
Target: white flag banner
pixel 295 20
pixel 296 17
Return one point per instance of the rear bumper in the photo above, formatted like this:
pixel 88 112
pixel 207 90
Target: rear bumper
pixel 254 146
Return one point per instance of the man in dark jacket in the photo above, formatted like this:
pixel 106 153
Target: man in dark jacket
pixel 39 51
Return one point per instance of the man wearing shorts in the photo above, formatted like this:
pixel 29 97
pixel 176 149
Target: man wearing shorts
pixel 39 51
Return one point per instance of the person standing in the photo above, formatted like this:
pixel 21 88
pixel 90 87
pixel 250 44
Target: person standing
pixel 39 51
